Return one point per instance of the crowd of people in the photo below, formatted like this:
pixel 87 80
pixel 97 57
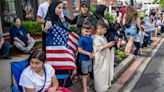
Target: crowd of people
pixel 98 39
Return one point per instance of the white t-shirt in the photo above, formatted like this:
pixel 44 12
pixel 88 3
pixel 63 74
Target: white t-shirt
pixel 30 79
pixel 42 10
pixel 158 23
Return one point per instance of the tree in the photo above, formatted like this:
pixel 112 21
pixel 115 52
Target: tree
pixel 161 2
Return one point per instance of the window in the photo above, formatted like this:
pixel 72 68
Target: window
pixel 28 10
pixel 8 13
pixel 75 4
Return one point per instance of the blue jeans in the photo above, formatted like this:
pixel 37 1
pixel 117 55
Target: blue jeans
pixel 149 37
pixel 137 50
pixel 6 49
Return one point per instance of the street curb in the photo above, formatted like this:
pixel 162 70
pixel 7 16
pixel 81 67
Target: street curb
pixel 117 87
pixel 123 66
pixel 138 73
pixel 117 72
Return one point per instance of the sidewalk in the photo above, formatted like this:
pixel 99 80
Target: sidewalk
pixel 5 76
pixel 126 76
pixel 126 69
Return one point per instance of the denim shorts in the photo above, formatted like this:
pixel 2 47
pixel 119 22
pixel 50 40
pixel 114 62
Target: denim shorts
pixel 86 67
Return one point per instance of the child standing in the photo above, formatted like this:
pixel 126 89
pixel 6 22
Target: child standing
pixel 103 63
pixel 85 53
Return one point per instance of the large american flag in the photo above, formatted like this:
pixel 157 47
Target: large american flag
pixel 61 48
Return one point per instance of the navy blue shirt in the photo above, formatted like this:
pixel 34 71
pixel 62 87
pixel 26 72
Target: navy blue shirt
pixel 20 32
pixel 86 44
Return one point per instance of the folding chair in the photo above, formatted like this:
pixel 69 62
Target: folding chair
pixel 16 70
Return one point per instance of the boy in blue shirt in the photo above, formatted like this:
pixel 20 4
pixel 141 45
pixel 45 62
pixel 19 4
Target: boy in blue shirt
pixel 85 52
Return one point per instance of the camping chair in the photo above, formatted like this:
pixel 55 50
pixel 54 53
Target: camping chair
pixel 16 70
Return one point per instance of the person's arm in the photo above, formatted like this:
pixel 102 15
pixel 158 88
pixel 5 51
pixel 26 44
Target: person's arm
pixel 29 90
pixel 18 40
pixel 73 21
pixel 40 20
pixel 124 20
pixel 40 14
pixel 99 46
pixel 48 25
pixel 55 84
pixel 108 45
pixel 85 52
pixel 1 42
pixel 138 23
pixel 28 36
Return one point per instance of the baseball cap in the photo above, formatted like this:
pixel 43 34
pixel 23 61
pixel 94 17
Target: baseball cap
pixel 86 2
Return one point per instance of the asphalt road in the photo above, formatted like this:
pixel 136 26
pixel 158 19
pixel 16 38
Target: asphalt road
pixel 152 79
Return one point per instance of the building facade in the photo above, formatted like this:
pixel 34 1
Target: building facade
pixel 25 10
pixel 9 9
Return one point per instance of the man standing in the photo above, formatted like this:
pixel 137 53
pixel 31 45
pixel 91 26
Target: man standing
pixel 40 19
pixel 5 47
pixel 66 13
pixel 20 37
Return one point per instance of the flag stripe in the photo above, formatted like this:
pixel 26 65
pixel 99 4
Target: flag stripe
pixel 72 49
pixel 72 46
pixel 59 63
pixel 74 35
pixel 73 39
pixel 59 59
pixel 64 68
pixel 58 48
pixel 62 55
pixel 73 42
pixel 58 51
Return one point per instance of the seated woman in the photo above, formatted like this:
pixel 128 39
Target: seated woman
pixel 38 76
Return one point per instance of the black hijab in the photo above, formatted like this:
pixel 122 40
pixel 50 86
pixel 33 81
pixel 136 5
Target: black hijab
pixel 100 9
pixel 51 12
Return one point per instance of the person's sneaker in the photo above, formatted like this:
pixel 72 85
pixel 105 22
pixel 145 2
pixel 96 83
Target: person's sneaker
pixel 6 57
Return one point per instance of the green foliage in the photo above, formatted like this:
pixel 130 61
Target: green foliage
pixel 73 29
pixel 141 14
pixel 32 27
pixel 109 17
pixel 161 2
pixel 92 9
pixel 120 54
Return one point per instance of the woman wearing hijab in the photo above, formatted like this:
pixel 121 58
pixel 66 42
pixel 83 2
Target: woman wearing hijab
pixel 52 22
pixel 84 14
pixel 101 11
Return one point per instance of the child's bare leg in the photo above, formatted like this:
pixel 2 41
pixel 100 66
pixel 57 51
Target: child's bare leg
pixel 84 82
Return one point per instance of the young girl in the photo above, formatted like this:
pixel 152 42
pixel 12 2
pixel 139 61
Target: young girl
pixel 103 65
pixel 131 22
pixel 38 76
